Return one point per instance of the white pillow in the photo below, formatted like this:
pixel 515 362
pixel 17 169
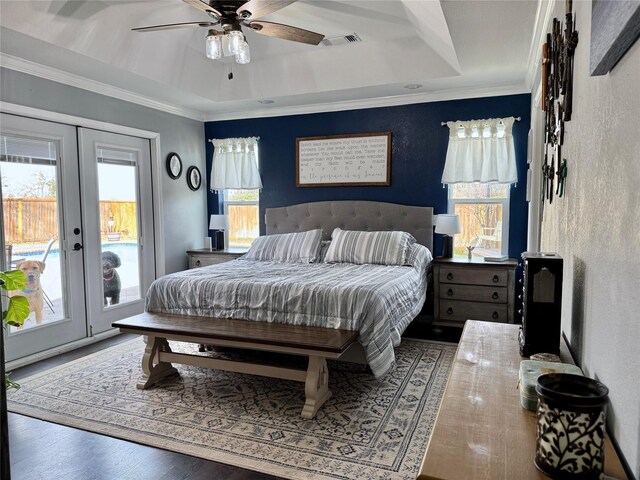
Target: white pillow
pixel 383 248
pixel 302 247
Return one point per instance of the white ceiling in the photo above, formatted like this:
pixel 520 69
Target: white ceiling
pixel 453 48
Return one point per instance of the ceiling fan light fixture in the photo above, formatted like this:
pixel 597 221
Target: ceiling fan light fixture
pixel 244 55
pixel 235 41
pixel 213 46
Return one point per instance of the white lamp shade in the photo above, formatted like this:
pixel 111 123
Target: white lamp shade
pixel 448 224
pixel 219 222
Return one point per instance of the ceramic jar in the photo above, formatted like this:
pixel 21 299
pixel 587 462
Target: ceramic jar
pixel 570 426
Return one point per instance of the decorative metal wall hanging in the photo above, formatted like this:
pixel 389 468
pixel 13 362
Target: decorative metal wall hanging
pixel 557 100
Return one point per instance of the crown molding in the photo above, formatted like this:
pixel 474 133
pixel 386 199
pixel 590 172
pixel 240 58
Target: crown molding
pixel 543 16
pixel 427 97
pixel 43 71
pixel 25 66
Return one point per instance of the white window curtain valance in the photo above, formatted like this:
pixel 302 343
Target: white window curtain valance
pixel 235 164
pixel 481 151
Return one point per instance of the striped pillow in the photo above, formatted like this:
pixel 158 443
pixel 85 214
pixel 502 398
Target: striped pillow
pixel 382 248
pixel 302 247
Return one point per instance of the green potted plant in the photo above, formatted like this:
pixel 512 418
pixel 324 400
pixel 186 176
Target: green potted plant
pixel 16 312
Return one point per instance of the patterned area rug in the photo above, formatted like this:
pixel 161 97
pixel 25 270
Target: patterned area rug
pixel 368 430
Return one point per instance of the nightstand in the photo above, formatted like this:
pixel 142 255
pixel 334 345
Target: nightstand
pixel 204 257
pixel 476 289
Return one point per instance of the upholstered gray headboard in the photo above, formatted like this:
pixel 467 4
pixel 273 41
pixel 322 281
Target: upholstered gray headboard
pixel 353 215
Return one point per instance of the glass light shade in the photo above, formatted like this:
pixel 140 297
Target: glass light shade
pixel 219 222
pixel 235 41
pixel 448 224
pixel 243 56
pixel 213 47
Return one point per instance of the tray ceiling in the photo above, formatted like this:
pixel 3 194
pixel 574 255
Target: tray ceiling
pixel 449 46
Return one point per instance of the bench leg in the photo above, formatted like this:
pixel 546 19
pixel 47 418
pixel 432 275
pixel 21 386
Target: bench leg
pixel 316 387
pixel 153 369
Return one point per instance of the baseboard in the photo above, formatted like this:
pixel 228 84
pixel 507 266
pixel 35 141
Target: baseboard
pixel 67 347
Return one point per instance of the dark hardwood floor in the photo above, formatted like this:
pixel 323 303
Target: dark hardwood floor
pixel 43 450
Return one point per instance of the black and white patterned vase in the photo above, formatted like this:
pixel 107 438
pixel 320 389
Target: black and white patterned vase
pixel 570 426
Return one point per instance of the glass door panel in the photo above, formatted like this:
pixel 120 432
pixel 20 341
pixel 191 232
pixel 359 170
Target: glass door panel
pixel 40 210
pixel 117 194
pixel 118 217
pixel 30 206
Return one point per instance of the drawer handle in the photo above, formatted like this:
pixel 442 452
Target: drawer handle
pixel 495 315
pixel 449 276
pixel 495 295
pixel 197 263
pixel 496 279
pixel 449 311
pixel 450 292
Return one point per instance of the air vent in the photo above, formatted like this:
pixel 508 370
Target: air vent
pixel 341 40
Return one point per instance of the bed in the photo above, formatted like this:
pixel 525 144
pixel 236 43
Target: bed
pixel 378 301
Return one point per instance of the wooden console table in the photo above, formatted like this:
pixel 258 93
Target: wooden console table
pixel 481 431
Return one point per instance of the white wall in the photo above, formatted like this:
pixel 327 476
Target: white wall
pixel 596 229
pixel 184 211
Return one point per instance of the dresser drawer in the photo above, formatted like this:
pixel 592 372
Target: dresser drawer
pixel 473 276
pixel 474 293
pixel 196 261
pixel 459 310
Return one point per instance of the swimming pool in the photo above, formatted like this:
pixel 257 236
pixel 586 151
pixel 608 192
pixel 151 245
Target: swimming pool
pixel 51 280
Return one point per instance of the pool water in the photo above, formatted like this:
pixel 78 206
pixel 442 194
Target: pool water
pixel 51 279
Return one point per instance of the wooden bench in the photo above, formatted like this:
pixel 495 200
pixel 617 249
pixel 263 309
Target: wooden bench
pixel 314 342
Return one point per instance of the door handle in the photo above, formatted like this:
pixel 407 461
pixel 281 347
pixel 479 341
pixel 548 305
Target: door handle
pixel 77 246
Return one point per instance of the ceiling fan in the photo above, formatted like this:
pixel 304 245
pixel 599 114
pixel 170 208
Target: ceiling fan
pixel 232 15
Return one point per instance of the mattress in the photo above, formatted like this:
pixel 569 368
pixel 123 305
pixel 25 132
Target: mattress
pixel 375 300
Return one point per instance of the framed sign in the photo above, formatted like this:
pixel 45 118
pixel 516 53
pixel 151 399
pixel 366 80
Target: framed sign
pixel 340 160
pixel 615 26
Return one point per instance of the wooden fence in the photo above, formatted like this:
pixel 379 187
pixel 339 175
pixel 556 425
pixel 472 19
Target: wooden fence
pixel 35 220
pixel 474 220
pixel 244 219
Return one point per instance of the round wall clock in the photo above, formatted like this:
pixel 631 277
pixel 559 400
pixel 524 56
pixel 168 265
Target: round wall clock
pixel 194 179
pixel 174 165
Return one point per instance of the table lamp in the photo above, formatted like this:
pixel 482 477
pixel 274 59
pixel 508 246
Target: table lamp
pixel 448 225
pixel 218 223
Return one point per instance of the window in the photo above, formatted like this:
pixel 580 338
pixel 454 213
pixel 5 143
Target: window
pixel 483 209
pixel 244 224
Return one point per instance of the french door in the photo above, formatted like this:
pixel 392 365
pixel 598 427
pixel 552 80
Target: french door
pixel 71 199
pixel 118 219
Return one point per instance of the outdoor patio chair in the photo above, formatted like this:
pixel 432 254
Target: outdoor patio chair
pixel 8 249
pixel 491 234
pixel 43 260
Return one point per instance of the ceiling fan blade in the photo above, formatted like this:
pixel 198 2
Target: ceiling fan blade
pixel 171 26
pixel 260 8
pixel 286 32
pixel 205 7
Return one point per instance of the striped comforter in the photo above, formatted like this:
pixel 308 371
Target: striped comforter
pixel 378 301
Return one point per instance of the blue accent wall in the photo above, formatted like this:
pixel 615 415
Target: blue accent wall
pixel 419 148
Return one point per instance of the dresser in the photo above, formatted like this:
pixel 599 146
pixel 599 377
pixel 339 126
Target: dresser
pixel 203 257
pixel 474 288
pixel 481 432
